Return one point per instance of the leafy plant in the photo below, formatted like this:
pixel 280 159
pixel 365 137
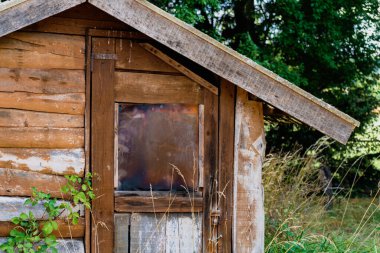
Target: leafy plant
pixel 29 236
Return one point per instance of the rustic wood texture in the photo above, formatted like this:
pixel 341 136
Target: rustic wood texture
pixel 155 89
pixel 248 213
pixel 226 163
pixel 211 110
pixel 73 26
pixel 160 204
pixel 109 33
pixel 42 51
pixel 51 81
pixel 36 137
pixel 147 233
pixel 102 147
pixel 65 230
pixel 122 222
pixel 131 56
pixel 176 233
pixel 19 183
pixel 14 206
pixel 187 72
pixel 20 118
pixel 31 12
pixel 71 103
pixel 64 245
pixel 46 161
pixel 230 65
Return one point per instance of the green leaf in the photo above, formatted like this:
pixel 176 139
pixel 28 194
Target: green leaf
pixel 47 228
pixel 24 216
pixel 15 220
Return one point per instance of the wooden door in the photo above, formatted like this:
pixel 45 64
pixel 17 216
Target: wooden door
pixel 154 152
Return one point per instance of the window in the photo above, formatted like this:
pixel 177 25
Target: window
pixel 158 147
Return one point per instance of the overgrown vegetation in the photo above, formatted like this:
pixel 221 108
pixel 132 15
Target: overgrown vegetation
pixel 296 215
pixel 32 236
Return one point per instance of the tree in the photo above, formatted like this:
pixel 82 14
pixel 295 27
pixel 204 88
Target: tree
pixel 329 48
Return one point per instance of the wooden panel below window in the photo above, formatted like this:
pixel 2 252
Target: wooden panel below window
pixel 159 204
pixel 156 89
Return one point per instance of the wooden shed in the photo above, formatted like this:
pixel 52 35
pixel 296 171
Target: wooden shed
pixel 169 121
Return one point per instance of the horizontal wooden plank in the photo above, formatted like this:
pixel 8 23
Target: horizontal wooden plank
pixel 187 72
pixel 155 88
pixel 35 137
pixel 109 33
pixel 20 183
pixel 131 56
pixel 230 65
pixel 31 12
pixel 72 103
pixel 21 118
pixel 53 81
pixel 64 245
pixel 46 161
pixel 13 206
pixel 74 26
pixel 65 230
pixel 42 51
pixel 158 204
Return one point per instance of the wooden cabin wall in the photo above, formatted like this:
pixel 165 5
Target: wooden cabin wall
pixel 42 114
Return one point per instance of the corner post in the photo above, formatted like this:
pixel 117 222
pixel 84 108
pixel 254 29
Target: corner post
pixel 248 206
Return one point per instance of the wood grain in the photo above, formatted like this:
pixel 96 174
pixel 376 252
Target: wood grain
pixel 160 204
pixel 35 137
pixel 248 213
pixel 31 12
pixel 102 147
pixel 42 51
pixel 187 72
pixel 53 81
pixel 14 206
pixel 131 56
pixel 72 103
pixel 21 118
pixel 46 161
pixel 20 183
pixel 226 163
pixel 122 222
pixel 155 89
pixel 230 65
pixel 65 230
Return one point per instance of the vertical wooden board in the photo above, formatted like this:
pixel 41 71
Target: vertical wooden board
pixel 148 233
pixel 190 233
pixel 102 147
pixel 210 166
pixel 13 206
pixel 21 118
pixel 64 245
pixel 37 137
pixel 122 222
pixel 70 103
pixel 248 215
pixel 132 56
pixel 53 81
pixel 47 161
pixel 226 163
pixel 172 233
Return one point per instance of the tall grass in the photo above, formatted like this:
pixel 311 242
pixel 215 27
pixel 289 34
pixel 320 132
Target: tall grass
pixel 296 216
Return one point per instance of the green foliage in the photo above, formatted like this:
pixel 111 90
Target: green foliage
pixel 29 236
pixel 330 48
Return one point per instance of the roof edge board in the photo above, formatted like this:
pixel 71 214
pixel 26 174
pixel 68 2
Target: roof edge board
pixel 231 66
pixel 28 12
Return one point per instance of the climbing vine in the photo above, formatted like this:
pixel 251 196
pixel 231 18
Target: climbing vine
pixel 31 236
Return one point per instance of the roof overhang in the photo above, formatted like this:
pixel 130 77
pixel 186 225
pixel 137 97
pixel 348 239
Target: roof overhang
pixel 200 48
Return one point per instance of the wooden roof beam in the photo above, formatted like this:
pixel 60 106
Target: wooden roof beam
pixel 231 66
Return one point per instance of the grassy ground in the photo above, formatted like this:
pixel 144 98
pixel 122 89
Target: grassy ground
pixel 296 217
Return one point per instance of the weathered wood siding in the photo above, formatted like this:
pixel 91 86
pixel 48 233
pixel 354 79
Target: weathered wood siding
pixel 248 213
pixel 42 105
